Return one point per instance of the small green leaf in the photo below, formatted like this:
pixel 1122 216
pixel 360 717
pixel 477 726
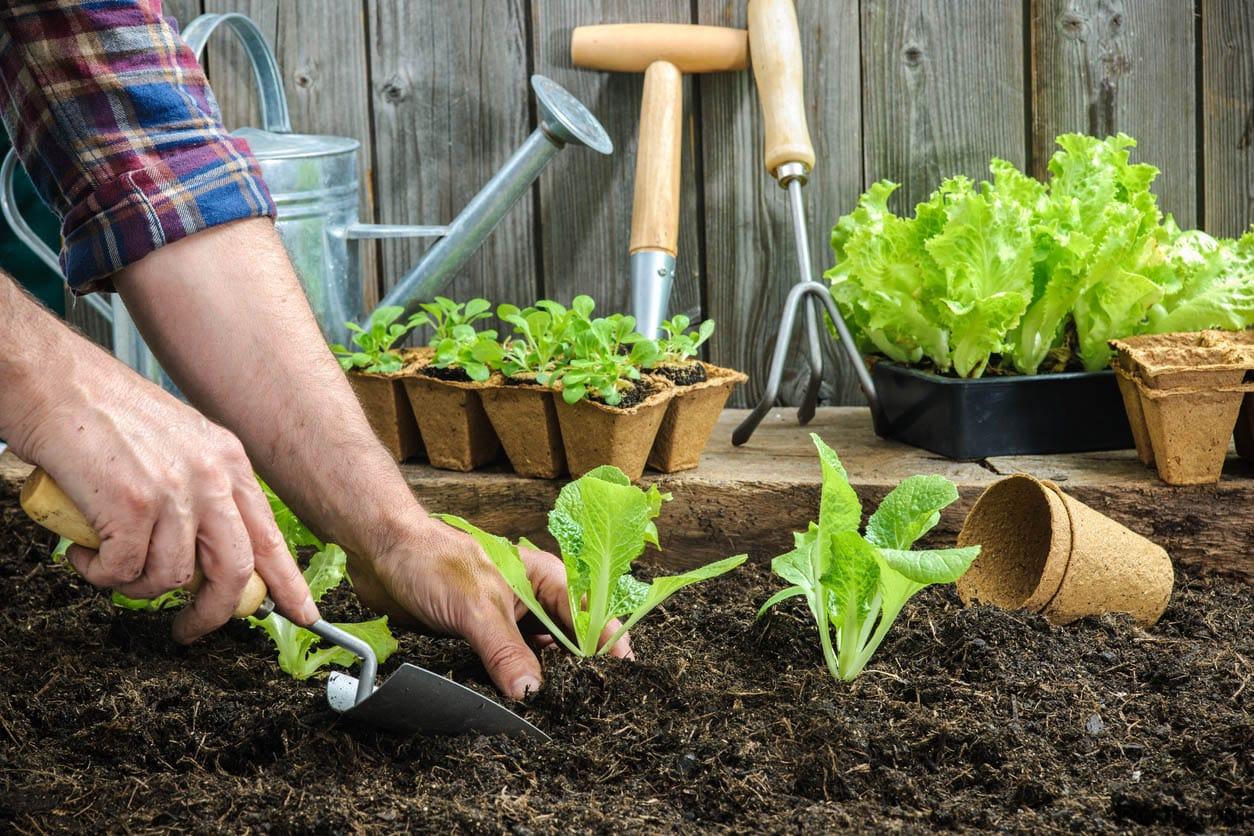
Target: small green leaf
pixel 909 511
pixel 931 567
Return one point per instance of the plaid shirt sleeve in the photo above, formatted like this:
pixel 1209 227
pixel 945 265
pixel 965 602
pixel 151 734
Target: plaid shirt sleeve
pixel 114 120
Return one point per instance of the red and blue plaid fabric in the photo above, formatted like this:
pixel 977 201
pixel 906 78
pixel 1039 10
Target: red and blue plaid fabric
pixel 116 124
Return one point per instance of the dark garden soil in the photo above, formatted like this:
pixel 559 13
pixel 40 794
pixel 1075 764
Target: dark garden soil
pixel 681 375
pixel 967 719
pixel 453 373
pixel 639 392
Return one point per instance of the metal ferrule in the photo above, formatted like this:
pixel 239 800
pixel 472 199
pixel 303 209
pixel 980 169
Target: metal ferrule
pixel 792 172
pixel 652 275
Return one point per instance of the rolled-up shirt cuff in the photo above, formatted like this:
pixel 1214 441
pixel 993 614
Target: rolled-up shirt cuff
pixel 192 189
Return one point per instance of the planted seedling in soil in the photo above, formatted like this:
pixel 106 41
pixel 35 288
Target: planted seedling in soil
pixel 601 523
pixel 857 584
pixel 375 350
pixel 677 350
pixel 461 352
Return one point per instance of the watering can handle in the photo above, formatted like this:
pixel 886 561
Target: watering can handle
pixel 274 116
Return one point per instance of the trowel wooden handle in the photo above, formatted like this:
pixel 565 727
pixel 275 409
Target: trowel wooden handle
pixel 632 47
pixel 655 204
pixel 775 46
pixel 44 502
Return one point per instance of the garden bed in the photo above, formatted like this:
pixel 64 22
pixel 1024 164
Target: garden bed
pixel 967 718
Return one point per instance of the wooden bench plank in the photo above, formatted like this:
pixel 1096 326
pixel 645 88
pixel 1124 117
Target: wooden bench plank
pixel 751 499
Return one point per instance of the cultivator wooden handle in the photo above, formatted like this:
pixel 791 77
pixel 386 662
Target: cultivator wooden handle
pixel 44 502
pixel 775 46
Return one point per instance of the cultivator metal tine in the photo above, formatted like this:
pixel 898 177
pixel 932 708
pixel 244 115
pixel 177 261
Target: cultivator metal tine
pixel 796 298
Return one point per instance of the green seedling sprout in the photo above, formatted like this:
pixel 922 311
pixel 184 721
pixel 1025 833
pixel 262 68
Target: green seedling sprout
pixel 456 342
pixel 605 359
pixel 856 584
pixel 375 349
pixel 601 523
pixel 679 344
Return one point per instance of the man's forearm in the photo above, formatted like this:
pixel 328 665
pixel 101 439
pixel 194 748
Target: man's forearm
pixel 37 349
pixel 225 315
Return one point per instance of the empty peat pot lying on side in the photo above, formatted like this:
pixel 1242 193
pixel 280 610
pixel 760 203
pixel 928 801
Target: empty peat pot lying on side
pixel 701 391
pixel 1042 550
pixel 594 433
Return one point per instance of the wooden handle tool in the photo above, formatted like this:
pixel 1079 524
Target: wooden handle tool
pixel 44 502
pixel 775 47
pixel 655 201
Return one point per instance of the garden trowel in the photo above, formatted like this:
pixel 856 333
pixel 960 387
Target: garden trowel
pixel 411 701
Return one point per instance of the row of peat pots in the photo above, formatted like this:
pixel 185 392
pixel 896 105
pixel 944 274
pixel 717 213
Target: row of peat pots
pixel 424 412
pixel 1187 396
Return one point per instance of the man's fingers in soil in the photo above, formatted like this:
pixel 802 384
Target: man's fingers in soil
pixel 513 667
pixel 171 557
pixel 225 557
pixel 120 559
pixel 271 558
pixel 622 647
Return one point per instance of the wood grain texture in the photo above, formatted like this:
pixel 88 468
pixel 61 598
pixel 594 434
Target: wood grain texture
pixel 451 103
pixel 1107 66
pixel 320 46
pixel 1228 115
pixel 182 10
pixel 943 91
pixel 585 198
pixel 751 260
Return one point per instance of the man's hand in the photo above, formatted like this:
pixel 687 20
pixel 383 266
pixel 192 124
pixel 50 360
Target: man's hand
pixel 439 578
pixel 165 488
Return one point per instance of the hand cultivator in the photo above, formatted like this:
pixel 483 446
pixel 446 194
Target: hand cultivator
pixel 412 700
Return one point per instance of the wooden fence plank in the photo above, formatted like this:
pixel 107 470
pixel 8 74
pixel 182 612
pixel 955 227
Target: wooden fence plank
pixel 585 198
pixel 1105 66
pixel 751 260
pixel 451 104
pixel 182 10
pixel 1228 115
pixel 943 91
pixel 321 50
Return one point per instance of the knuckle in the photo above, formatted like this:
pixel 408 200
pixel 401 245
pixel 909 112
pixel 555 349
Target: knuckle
pixel 137 501
pixel 270 542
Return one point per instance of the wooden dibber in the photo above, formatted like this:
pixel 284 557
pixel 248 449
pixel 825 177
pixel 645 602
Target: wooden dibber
pixel 44 502
pixel 664 52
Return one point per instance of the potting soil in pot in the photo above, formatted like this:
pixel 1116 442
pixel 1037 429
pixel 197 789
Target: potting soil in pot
pixel 967 719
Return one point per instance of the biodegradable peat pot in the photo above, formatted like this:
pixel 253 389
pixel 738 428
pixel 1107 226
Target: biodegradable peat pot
pixel 1136 415
pixel 383 399
pixel 1041 550
pixel 454 427
pixel 1189 430
pixel 525 419
pixel 690 419
pixel 594 434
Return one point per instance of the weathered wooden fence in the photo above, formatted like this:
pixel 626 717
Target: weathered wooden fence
pixel 913 90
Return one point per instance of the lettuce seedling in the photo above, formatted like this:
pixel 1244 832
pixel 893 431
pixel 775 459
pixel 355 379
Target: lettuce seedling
pixel 299 655
pixel 601 523
pixel 542 336
pixel 605 359
pixel 173 599
pixel 856 584
pixel 679 344
pixel 457 344
pixel 375 351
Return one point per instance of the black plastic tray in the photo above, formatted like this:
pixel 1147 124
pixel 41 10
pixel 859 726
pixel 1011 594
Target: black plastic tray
pixel 1071 412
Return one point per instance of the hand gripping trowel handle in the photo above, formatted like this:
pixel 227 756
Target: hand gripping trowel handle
pixel 46 503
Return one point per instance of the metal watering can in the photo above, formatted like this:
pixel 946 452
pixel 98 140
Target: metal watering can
pixel 313 180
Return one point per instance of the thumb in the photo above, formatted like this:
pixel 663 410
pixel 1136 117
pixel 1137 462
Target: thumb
pixel 511 664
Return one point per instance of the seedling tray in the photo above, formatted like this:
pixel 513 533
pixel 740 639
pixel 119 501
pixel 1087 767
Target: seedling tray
pixel 1072 412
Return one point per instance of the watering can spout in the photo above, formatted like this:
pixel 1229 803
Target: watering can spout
pixel 563 121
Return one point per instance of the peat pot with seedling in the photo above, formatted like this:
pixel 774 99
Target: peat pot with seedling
pixel 444 390
pixel 609 412
pixel 522 408
pixel 701 391
pixel 376 368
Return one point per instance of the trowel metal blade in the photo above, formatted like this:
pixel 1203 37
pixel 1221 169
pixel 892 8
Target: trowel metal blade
pixel 415 700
